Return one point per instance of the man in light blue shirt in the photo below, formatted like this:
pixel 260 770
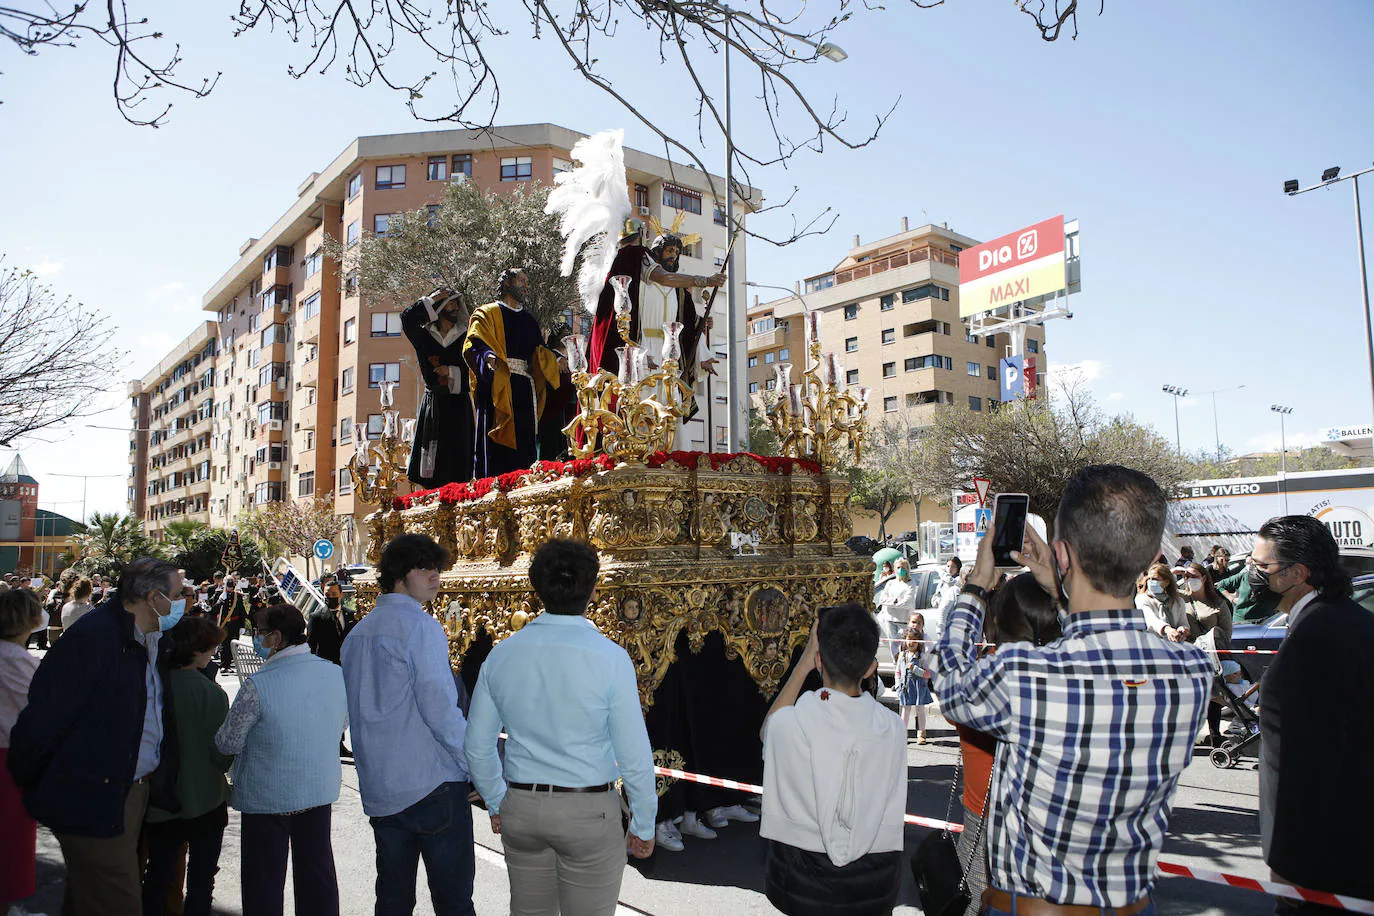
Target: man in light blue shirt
pixel 408 735
pixel 567 699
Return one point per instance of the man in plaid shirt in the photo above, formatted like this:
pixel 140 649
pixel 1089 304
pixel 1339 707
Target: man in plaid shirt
pixel 1094 728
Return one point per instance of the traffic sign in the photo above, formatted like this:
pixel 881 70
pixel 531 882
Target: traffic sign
pixel 981 485
pixel 981 521
pixel 324 548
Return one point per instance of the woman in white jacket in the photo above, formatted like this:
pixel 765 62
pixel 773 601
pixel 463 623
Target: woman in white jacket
pixel 1166 613
pixel 896 603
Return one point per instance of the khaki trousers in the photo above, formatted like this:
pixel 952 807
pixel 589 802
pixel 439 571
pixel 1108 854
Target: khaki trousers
pixel 565 852
pixel 103 875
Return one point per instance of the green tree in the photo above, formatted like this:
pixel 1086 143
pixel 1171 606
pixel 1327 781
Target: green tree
pixel 111 540
pixel 179 536
pixel 464 245
pixel 1036 447
pixel 291 528
pixel 201 560
pixel 884 479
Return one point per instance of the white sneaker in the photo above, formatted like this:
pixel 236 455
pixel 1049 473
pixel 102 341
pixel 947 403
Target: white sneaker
pixel 693 827
pixel 720 817
pixel 666 836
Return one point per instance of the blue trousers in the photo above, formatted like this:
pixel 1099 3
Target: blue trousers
pixel 439 828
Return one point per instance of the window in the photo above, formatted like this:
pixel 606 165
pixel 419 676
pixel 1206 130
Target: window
pixel 889 370
pixel 1033 346
pixel 310 437
pixel 718 215
pixel 350 330
pixel 345 481
pixel 376 423
pixel 851 344
pixel 280 256
pixel 462 165
pixel 382 372
pixel 785 354
pixel 887 303
pixel 346 380
pixel 992 372
pixel 975 370
pixel 561 165
pixel 925 291
pixel 437 169
pixel 851 311
pixel 929 362
pixel 271 372
pixel 763 325
pixel 310 307
pixel 351 284
pixel 769 358
pixel 355 185
pixel 272 334
pixel 271 410
pixel 753 362
pixel 517 168
pixel 910 365
pixel 345 430
pixel 681 198
pixel 313 261
pixel 975 403
pixel 771 384
pixel 386 324
pixel 267 493
pixel 753 387
pixel 641 197
pixel 391 177
pixel 889 335
pixel 988 340
pixel 351 234
pixel 890 404
pixel 305 484
pixel 851 377
pixel 380 223
pixel 431 211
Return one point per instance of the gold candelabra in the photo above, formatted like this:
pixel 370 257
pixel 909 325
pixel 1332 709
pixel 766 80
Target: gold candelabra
pixel 378 466
pixel 819 416
pixel 636 411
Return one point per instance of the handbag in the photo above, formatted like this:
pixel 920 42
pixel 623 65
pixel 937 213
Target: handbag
pixel 941 881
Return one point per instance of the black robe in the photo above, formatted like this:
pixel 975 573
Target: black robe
pixel 491 458
pixel 444 429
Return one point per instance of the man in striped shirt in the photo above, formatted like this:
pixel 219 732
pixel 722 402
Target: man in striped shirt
pixel 1094 728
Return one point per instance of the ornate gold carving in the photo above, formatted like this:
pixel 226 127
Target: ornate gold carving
pixel 669 760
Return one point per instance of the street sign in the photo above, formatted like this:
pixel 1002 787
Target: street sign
pixel 324 549
pixel 980 486
pixel 1013 378
pixel 981 521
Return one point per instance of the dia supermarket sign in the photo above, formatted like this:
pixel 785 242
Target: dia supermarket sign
pixel 1022 265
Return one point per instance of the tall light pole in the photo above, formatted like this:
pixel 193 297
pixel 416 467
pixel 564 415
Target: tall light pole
pixel 830 52
pixel 1216 429
pixel 1177 393
pixel 84 478
pixel 1330 177
pixel 1283 452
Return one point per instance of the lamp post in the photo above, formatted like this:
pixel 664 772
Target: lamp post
pixel 1330 177
pixel 84 478
pixel 1283 452
pixel 830 52
pixel 1216 429
pixel 1177 393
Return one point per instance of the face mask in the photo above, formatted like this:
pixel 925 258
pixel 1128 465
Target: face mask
pixel 1196 588
pixel 169 620
pixel 1156 588
pixel 903 574
pixel 258 647
pixel 332 603
pixel 1258 578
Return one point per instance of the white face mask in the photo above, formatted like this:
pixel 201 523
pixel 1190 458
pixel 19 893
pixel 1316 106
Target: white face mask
pixel 1156 588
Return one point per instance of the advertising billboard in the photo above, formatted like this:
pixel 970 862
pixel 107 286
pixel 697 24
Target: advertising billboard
pixel 1018 266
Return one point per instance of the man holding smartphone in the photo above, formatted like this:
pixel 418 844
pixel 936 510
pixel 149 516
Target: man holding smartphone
pixel 1097 727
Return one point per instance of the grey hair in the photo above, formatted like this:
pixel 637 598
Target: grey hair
pixel 142 577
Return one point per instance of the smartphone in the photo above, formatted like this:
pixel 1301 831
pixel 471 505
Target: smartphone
pixel 1009 512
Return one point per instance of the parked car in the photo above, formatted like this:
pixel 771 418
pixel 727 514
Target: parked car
pixel 1269 634
pixel 925 578
pixel 863 545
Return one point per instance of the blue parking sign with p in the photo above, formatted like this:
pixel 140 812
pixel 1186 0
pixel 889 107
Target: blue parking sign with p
pixel 324 548
pixel 1013 378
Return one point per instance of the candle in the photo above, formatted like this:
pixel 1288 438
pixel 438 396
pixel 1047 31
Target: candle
pixel 641 364
pixel 387 386
pixel 626 372
pixel 829 366
pixel 813 326
pixel 620 284
pixel 408 430
pixel 783 372
pixel 361 445
pixel 389 428
pixel 672 342
pixel 794 400
pixel 575 347
pixel 864 392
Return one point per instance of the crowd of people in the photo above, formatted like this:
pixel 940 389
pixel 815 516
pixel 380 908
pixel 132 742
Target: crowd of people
pixel 1078 688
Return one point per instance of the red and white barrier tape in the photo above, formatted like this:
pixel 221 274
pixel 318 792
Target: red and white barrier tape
pixel 993 645
pixel 1174 869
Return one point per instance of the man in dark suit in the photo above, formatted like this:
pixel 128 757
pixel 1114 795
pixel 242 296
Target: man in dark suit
pixel 325 632
pixel 1316 798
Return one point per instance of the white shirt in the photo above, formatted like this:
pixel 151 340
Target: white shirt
pixel 150 745
pixel 1298 607
pixel 834 776
pixel 16 671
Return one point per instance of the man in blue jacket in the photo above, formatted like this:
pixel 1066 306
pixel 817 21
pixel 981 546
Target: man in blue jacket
pixel 97 739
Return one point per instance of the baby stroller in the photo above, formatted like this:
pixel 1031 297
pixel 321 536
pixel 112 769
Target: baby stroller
pixel 1246 720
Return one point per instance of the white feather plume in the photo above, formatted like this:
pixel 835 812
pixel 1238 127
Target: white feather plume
pixel 592 202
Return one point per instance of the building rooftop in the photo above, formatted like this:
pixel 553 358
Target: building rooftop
pixel 18 473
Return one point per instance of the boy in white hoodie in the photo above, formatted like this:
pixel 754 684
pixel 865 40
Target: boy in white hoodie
pixel 834 779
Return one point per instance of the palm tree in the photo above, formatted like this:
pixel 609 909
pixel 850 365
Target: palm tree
pixel 111 540
pixel 179 537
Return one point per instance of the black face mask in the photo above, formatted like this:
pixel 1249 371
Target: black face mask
pixel 332 603
pixel 1258 578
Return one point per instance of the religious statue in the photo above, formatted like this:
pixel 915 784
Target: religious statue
pixel 510 371
pixel 441 453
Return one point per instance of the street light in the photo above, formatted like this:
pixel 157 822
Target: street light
pixel 1283 452
pixel 830 52
pixel 1330 176
pixel 1216 430
pixel 1177 393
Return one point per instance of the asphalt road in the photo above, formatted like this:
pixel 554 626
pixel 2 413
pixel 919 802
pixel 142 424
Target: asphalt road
pixel 1214 827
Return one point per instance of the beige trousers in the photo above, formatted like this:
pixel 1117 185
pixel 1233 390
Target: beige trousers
pixel 565 852
pixel 103 875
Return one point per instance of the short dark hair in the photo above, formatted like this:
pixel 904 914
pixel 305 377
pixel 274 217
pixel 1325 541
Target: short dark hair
pixel 190 637
pixel 286 619
pixel 142 577
pixel 848 639
pixel 20 612
pixel 958 563
pixel 1185 551
pixel 1022 611
pixel 406 552
pixel 1113 518
pixel 1303 539
pixel 563 573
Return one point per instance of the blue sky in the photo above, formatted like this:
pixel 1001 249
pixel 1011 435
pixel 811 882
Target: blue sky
pixel 1167 128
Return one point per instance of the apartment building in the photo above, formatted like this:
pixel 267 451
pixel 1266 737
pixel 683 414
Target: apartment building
pixel 172 408
pixel 303 355
pixel 890 310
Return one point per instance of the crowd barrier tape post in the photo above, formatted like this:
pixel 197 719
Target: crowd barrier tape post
pixel 1163 866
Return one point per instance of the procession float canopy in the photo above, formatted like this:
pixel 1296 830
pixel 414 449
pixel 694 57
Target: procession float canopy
pixel 693 543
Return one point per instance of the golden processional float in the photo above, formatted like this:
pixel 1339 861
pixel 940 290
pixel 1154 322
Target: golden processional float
pixel 691 544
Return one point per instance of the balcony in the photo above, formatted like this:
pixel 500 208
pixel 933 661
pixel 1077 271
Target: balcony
pixel 768 340
pixel 879 265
